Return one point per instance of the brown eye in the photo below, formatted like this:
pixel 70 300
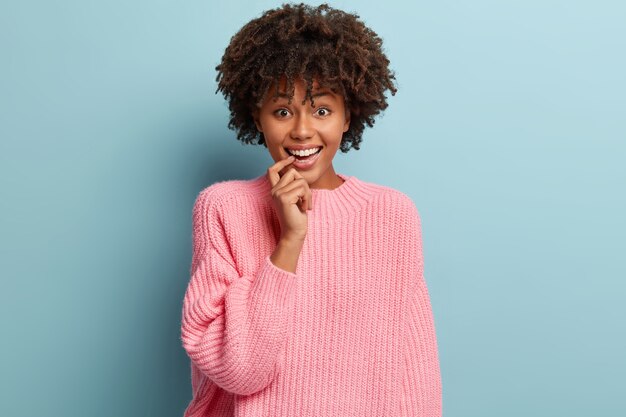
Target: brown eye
pixel 282 113
pixel 323 111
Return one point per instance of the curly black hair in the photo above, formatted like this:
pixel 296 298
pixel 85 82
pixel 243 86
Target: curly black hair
pixel 297 41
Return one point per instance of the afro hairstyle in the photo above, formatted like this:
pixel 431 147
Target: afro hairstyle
pixel 298 41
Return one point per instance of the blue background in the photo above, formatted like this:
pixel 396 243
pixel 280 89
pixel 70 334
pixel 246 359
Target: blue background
pixel 508 132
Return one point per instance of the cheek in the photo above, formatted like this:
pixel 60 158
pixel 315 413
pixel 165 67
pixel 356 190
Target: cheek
pixel 270 133
pixel 333 132
pixel 273 130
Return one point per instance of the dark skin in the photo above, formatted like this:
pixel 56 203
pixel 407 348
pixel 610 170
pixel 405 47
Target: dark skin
pixel 291 197
pixel 287 124
pixel 297 123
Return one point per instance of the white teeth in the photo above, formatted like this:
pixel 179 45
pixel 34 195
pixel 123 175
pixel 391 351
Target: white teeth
pixel 303 153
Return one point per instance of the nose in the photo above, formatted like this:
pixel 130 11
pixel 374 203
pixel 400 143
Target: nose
pixel 302 127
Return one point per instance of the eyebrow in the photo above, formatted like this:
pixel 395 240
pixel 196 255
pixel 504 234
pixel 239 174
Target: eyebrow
pixel 283 95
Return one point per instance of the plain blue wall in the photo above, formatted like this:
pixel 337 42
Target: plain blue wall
pixel 508 132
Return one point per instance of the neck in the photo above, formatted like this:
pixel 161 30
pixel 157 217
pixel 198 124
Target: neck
pixel 328 181
pixel 342 201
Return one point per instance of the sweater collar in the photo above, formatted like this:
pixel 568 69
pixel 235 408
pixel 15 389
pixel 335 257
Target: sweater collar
pixel 348 198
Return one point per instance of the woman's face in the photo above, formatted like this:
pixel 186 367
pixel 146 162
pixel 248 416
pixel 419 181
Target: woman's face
pixel 296 125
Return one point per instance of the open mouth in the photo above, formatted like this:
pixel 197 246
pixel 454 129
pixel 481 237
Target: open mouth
pixel 300 155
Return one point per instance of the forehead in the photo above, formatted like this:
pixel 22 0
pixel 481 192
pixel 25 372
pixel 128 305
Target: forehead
pixel 299 92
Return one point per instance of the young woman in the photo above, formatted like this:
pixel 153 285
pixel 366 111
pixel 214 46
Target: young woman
pixel 307 295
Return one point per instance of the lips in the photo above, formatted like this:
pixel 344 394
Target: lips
pixel 305 156
pixel 305 163
pixel 302 147
pixel 288 150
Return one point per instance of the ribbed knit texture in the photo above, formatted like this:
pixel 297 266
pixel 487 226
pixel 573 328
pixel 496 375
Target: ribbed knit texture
pixel 350 333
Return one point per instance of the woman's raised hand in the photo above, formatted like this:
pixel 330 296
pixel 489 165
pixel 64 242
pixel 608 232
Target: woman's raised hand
pixel 291 197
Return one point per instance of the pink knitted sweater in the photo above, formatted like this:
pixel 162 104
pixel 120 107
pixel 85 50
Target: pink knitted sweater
pixel 350 333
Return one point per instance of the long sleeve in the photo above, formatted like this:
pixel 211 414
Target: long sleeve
pixel 233 327
pixel 350 333
pixel 421 382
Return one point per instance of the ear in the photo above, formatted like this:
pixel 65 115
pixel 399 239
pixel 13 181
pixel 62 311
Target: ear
pixel 346 125
pixel 255 116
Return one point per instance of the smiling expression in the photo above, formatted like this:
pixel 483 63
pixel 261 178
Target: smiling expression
pixel 296 125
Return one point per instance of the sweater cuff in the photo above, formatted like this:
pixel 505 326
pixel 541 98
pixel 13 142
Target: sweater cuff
pixel 274 282
pixel 275 269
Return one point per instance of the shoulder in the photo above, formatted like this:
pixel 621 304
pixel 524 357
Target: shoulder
pixel 222 194
pixel 395 211
pixel 393 200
